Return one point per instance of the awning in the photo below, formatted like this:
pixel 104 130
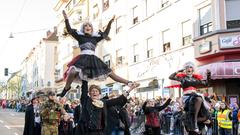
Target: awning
pixel 221 70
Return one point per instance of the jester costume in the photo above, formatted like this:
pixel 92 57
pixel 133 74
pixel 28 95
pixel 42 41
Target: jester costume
pixel 189 83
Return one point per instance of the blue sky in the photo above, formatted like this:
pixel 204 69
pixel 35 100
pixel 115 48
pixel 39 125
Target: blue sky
pixel 20 16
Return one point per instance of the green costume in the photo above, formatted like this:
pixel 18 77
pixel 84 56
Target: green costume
pixel 50 114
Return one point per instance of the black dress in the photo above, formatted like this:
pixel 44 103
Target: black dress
pixel 87 64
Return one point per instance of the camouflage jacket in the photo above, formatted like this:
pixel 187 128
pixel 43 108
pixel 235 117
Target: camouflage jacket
pixel 50 112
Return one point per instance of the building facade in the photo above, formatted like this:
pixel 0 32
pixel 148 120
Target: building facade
pixel 216 42
pixel 149 42
pixel 38 67
pixel 150 39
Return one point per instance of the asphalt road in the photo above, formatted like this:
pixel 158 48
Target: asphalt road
pixel 11 122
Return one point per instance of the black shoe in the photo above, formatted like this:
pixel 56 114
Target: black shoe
pixel 63 92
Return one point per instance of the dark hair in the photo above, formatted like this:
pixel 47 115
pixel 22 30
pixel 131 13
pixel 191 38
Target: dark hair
pixel 95 87
pixel 33 99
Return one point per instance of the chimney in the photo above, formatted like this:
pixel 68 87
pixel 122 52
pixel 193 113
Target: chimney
pixel 49 33
pixel 55 29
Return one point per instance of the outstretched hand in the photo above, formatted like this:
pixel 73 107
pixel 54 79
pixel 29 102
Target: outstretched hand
pixel 171 96
pixel 64 14
pixel 113 18
pixel 130 89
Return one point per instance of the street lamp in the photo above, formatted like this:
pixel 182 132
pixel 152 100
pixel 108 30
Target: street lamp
pixel 11 35
pixel 22 32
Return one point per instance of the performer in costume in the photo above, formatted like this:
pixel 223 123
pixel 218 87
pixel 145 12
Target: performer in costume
pixel 94 115
pixel 151 110
pixel 196 112
pixel 86 65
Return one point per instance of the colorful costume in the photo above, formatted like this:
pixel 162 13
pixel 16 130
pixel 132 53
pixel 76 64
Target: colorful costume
pixel 189 84
pixel 87 64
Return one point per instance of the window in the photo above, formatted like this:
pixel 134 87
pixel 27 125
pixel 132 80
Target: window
pixel 95 11
pixel 187 40
pixel 206 28
pixel 205 14
pixel 232 14
pixel 105 4
pixel 119 56
pixel 149 7
pixel 186 33
pixel 233 24
pixel 135 14
pixel 164 3
pixel 107 59
pixel 135 53
pixel 166 40
pixel 119 23
pixel 150 47
pixel 166 47
pixel 48 83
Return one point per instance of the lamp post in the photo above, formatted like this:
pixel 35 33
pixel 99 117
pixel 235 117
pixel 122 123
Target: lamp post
pixel 11 35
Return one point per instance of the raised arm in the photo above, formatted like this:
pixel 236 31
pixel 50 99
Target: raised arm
pixel 84 95
pixel 158 108
pixel 71 31
pixel 174 77
pixel 207 82
pixel 161 107
pixel 104 35
pixel 107 30
pixel 121 100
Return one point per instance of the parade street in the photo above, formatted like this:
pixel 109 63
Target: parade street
pixel 11 122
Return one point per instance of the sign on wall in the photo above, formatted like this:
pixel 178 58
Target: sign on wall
pixel 229 42
pixel 204 48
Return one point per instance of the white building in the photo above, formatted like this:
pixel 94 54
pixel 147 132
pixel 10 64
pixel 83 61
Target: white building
pixel 150 39
pixel 153 38
pixel 38 68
